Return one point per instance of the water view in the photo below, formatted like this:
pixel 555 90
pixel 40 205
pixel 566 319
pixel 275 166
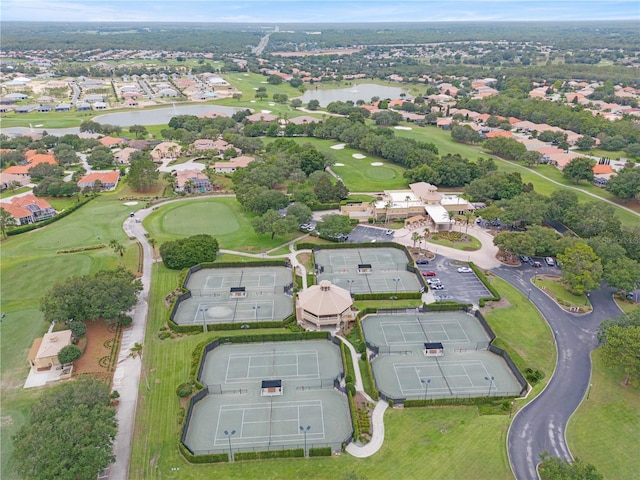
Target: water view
pixel 353 93
pixel 159 116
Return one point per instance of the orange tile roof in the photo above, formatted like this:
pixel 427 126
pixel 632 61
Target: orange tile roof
pixel 29 153
pixel 18 169
pixel 602 169
pixel 29 200
pixel 499 133
pixel 104 177
pixel 39 158
pixel 109 141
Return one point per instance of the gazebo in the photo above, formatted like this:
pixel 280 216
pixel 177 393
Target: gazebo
pixel 324 305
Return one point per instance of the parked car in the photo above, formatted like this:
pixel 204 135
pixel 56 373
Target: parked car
pixel 389 232
pixel 524 259
pixel 428 274
pixel 433 281
pixel 464 270
pixel 422 261
pixel 437 286
pixel 537 264
pixel 550 261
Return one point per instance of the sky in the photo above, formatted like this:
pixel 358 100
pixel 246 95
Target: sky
pixel 303 11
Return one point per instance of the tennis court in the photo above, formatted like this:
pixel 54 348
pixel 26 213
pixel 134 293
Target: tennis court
pixel 464 368
pixel 234 376
pixel 228 295
pixel 455 330
pixel 366 270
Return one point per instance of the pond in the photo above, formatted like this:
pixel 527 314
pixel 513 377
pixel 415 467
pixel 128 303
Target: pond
pixel 353 93
pixel 159 116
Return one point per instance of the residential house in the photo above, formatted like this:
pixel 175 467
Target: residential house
pixel 28 209
pixel 9 179
pixel 108 180
pixel 304 120
pixel 233 164
pixel 44 351
pixel 63 107
pixel 166 150
pixel 122 157
pixel 261 117
pixel 111 141
pixel 192 180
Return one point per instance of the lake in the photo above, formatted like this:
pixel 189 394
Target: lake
pixel 353 93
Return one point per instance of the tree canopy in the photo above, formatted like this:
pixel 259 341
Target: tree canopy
pixel 143 174
pixel 190 251
pixel 581 268
pixel 69 434
pixel 107 295
pixel 554 468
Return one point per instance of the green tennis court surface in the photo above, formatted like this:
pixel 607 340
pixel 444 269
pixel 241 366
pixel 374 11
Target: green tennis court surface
pixel 235 403
pixel 466 369
pixel 244 295
pixel 388 273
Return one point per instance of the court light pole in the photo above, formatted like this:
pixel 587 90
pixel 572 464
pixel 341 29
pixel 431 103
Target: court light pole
pixel 426 387
pixel 490 380
pixel 529 294
pixel 228 434
pixel 305 430
pixel 255 308
pixel 397 280
pixel 204 322
pixel 350 282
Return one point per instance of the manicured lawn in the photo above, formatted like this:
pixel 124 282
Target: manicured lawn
pixel 221 217
pixel 471 243
pixel 359 175
pixel 612 408
pixel 47 120
pixel 560 294
pixel 10 193
pixel 247 83
pixel 522 332
pixel 29 268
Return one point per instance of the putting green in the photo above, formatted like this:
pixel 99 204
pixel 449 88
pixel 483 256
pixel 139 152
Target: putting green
pixel 194 218
pixel 380 173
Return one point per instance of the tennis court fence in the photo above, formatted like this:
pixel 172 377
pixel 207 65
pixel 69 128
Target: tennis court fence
pixel 320 384
pixel 335 447
pixel 218 389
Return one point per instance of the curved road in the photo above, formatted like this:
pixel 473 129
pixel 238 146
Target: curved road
pixel 541 424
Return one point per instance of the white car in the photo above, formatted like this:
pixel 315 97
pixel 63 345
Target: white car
pixel 389 232
pixel 465 270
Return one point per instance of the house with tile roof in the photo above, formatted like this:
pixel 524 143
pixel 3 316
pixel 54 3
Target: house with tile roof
pixel 44 352
pixel 233 164
pixel 108 180
pixel 166 150
pixel 28 209
pixel 192 180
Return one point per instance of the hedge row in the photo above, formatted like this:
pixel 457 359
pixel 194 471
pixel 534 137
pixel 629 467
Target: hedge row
pixel 238 325
pixel 207 458
pixel 184 328
pixel 373 393
pixel 257 263
pixel 348 366
pixel 446 306
pixel 323 206
pixel 354 417
pixel 279 337
pixel 386 296
pixel 59 216
pixel 483 278
pixel 83 249
pixel 456 401
pixel 263 455
pixel 320 452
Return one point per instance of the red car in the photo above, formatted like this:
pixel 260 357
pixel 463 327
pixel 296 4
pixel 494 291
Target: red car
pixel 428 274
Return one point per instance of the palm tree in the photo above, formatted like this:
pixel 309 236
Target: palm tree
pixel 415 236
pixel 153 242
pixel 189 185
pixel 6 219
pixel 118 248
pixel 467 217
pixel 426 233
pixel 387 206
pixel 452 216
pixel 407 199
pixel 420 240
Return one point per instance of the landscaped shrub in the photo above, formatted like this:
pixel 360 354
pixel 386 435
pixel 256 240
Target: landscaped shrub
pixel 184 390
pixel 125 321
pixel 209 458
pixel 164 335
pixel 483 278
pixel 351 388
pixel 181 414
pixel 83 249
pixel 69 354
pixel 320 452
pixel 348 378
pixel 533 376
pixel 78 328
pixel 354 418
pixel 262 455
pixel 115 394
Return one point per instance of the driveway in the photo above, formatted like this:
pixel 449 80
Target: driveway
pixel 541 424
pixel 366 234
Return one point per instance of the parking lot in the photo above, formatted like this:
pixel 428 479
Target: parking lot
pixel 366 234
pixel 461 287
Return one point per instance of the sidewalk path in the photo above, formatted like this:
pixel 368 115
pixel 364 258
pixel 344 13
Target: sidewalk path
pixel 377 418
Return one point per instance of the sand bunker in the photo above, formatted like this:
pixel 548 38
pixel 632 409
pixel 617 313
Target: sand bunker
pixel 338 164
pixel 130 204
pixel 265 111
pixel 377 164
pixel 271 104
pixel 403 128
pixel 340 146
pixel 359 156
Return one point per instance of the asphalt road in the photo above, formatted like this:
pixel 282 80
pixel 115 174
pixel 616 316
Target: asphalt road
pixel 541 425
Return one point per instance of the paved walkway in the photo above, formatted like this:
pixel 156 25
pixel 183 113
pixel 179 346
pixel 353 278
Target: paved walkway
pixel 377 418
pixel 485 257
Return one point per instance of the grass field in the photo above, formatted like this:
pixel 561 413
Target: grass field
pixel 612 447
pixel 30 267
pixel 221 217
pixel 47 120
pixel 472 244
pixel 556 290
pixel 359 175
